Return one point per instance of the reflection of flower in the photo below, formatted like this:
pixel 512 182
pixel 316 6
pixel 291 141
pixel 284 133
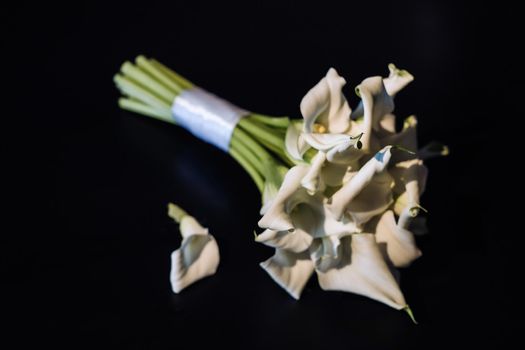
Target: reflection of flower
pixel 335 212
pixel 198 255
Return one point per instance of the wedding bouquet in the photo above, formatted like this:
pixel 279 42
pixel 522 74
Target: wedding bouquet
pixel 340 188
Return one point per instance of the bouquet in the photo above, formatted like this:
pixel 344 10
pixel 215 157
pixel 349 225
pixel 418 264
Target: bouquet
pixel 340 188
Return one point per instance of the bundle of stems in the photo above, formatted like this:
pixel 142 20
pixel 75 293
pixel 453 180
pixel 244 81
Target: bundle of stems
pixel 257 142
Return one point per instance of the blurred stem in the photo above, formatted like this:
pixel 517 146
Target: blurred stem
pixel 259 182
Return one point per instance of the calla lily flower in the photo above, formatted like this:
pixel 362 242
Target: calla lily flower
pixel 289 270
pixel 406 138
pixel 368 174
pixel 291 193
pixel 326 105
pixel 410 181
pixel 198 256
pixel 400 245
pixel 326 122
pixel 375 104
pixel 361 269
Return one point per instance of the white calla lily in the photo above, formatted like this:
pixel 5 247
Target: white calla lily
pixel 373 200
pixel 406 138
pixel 340 201
pixel 410 179
pixel 362 270
pixel 290 270
pixel 334 174
pixel 295 144
pixel 375 104
pixel 297 241
pixel 400 245
pixel 290 194
pixel 312 179
pixel 326 105
pixel 397 79
pixel 198 256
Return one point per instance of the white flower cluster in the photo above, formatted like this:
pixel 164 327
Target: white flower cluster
pixel 347 213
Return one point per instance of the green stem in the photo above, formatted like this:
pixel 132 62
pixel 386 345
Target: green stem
pixel 158 73
pixel 135 90
pixel 248 155
pixel 259 150
pixel 279 122
pixel 176 78
pixel 261 132
pixel 249 169
pixel 148 81
pixel 138 107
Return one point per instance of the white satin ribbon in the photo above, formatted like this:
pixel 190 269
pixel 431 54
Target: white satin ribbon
pixel 207 116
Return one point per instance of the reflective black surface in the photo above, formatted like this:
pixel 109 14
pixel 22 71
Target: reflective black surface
pixel 88 261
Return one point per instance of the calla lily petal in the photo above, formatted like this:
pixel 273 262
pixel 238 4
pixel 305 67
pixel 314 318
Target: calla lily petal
pixel 326 104
pixel 326 253
pixel 277 217
pixel 373 200
pixel 312 180
pixel 296 146
pixel 387 125
pixel 342 198
pixel 407 138
pixel 296 241
pixel 400 245
pixel 362 270
pixel 376 103
pixel 410 179
pixel 397 79
pixel 333 174
pixel 198 256
pixel 290 270
pixel 325 142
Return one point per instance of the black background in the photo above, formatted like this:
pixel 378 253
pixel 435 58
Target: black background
pixel 87 261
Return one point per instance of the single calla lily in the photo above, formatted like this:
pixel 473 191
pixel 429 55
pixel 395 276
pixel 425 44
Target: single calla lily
pixel 410 179
pixel 312 179
pixel 198 256
pixel 277 217
pixel 326 105
pixel 295 144
pixel 376 103
pixel 400 245
pixel 362 270
pixel 340 201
